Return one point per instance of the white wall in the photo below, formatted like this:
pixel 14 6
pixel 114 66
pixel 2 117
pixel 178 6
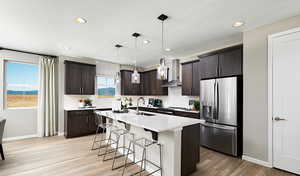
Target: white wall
pixel 21 121
pixel 256 84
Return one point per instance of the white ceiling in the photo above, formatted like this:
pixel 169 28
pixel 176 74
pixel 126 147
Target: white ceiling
pixel 48 26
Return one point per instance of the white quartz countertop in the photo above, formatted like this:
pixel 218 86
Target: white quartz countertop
pixel 157 123
pixel 82 109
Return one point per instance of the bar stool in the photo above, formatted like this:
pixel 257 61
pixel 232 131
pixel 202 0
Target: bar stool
pixel 121 131
pixel 103 124
pixel 144 143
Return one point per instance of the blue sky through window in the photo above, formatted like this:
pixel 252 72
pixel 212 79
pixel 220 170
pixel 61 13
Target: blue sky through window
pixel 105 86
pixel 21 77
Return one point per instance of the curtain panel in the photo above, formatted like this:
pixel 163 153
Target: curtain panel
pixel 47 111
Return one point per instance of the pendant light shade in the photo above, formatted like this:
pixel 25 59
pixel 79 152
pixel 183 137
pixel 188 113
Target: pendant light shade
pixel 162 70
pixel 117 78
pixel 117 75
pixel 135 77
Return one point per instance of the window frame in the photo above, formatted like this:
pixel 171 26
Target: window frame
pixel 106 76
pixel 5 106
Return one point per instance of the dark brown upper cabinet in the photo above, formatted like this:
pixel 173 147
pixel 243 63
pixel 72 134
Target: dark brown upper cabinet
pixel 128 88
pixel 190 78
pixel 187 79
pixel 222 63
pixel 79 78
pixel 196 79
pixel 209 67
pixel 230 63
pixel 149 84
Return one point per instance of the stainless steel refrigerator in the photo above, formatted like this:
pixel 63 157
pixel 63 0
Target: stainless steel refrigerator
pixel 221 108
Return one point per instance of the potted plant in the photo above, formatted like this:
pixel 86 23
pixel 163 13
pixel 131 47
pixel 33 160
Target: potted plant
pixel 87 102
pixel 197 105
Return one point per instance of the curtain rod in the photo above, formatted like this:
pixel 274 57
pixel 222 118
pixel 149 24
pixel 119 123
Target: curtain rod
pixel 27 52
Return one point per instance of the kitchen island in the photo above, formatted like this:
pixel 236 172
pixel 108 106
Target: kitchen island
pixel 179 136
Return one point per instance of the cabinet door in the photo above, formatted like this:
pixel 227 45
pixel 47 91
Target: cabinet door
pixel 209 67
pixel 88 79
pixel 77 124
pixel 196 79
pixel 146 83
pixel 73 78
pixel 142 86
pixel 159 83
pixel 153 83
pixel 230 63
pixel 187 79
pixel 126 86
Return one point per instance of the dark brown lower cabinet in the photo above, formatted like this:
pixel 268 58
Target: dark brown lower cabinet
pixel 79 123
pixel 190 149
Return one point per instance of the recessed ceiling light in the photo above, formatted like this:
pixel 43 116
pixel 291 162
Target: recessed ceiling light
pixel 238 24
pixel 66 48
pixel 80 20
pixel 146 41
pixel 168 49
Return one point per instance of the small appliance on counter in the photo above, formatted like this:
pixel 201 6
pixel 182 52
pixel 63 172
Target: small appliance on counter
pixel 116 105
pixel 151 102
pixel 158 103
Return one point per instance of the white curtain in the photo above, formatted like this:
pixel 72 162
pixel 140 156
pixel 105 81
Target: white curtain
pixel 47 111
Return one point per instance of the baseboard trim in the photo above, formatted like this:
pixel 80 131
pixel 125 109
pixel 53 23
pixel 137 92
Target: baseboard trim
pixel 257 161
pixel 19 137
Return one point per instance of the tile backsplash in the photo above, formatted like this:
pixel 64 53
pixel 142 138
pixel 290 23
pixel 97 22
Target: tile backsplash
pixel 173 99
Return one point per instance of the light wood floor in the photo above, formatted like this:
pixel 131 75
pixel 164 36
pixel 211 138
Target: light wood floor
pixel 57 156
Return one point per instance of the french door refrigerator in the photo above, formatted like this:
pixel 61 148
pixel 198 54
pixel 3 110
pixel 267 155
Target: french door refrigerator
pixel 221 108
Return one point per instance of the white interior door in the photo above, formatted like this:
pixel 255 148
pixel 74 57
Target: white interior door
pixel 286 102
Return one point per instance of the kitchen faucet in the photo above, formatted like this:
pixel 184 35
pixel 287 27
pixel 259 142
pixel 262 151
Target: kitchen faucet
pixel 137 104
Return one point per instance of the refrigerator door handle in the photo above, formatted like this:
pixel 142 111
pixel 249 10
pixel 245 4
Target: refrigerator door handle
pixel 214 106
pixel 218 99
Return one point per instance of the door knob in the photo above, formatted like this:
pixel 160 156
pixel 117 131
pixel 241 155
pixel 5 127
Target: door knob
pixel 278 119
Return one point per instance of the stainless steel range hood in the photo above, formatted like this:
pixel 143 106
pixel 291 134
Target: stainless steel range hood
pixel 175 73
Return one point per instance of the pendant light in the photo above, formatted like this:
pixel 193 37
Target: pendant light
pixel 135 77
pixel 162 70
pixel 118 75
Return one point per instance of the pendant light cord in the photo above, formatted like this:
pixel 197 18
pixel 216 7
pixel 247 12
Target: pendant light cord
pixel 135 45
pixel 162 38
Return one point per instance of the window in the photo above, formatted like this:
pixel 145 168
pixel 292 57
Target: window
pixel 21 84
pixel 105 86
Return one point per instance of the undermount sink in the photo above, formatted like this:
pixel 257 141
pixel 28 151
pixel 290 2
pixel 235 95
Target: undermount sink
pixel 145 114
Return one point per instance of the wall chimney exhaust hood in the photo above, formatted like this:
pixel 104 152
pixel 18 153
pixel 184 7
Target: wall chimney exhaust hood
pixel 175 71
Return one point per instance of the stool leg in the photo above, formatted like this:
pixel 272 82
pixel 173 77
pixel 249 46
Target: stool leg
pixel 106 148
pixel 95 137
pixel 160 160
pixel 143 161
pixel 100 144
pixel 125 165
pixel 124 144
pixel 115 154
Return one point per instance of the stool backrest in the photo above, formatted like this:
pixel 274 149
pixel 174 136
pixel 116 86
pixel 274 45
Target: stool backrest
pixel 2 125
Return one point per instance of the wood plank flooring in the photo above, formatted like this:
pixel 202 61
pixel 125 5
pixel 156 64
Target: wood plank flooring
pixel 57 156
